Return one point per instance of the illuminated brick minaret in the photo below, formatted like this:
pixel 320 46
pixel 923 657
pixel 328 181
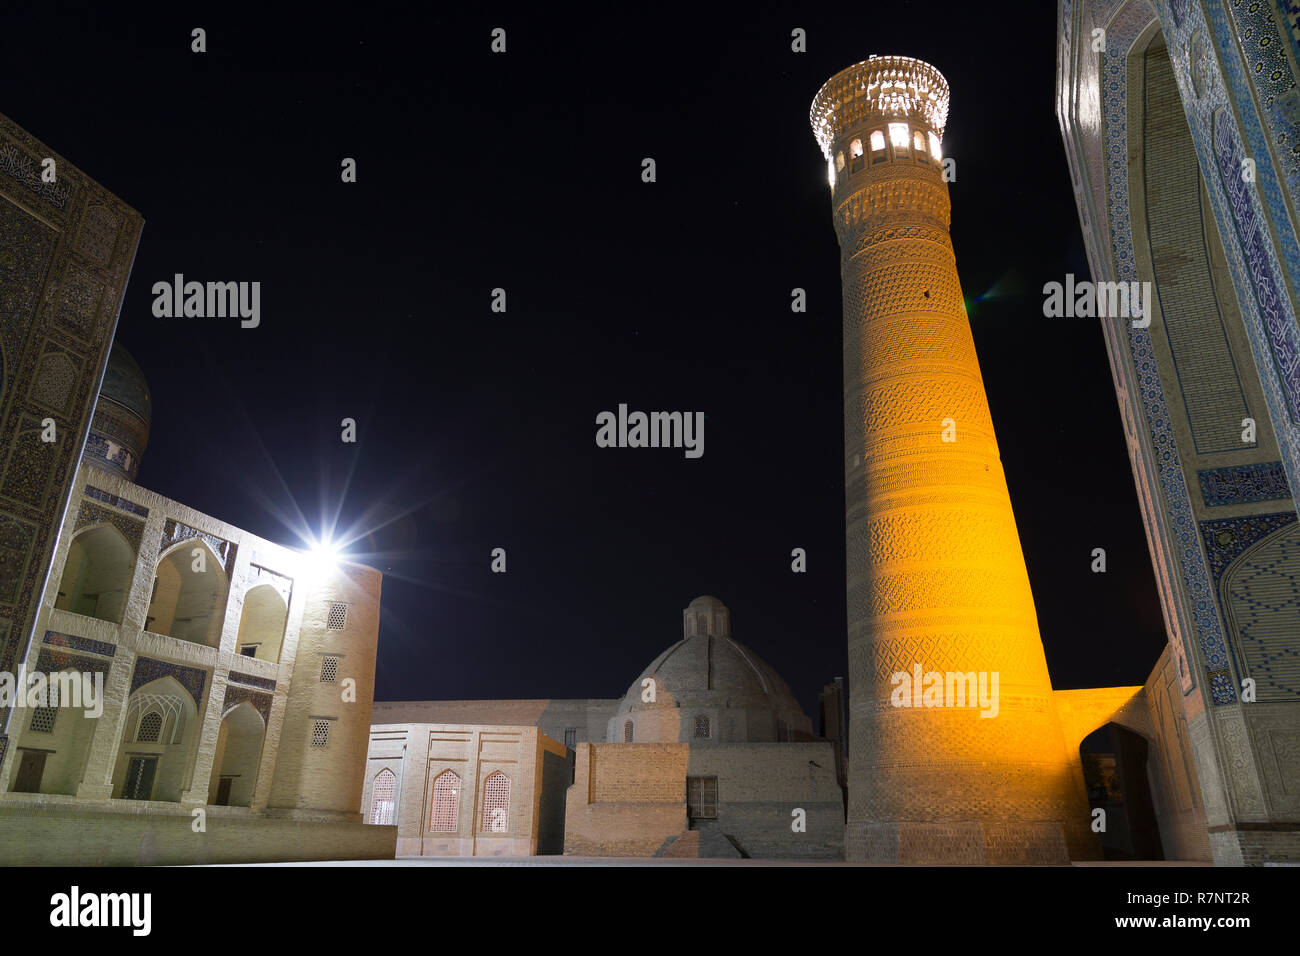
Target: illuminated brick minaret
pixel 936 577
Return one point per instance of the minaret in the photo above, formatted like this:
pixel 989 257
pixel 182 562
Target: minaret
pixel 936 578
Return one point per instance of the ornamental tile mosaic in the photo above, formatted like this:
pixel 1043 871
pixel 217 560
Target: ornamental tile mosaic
pixel 1266 57
pixel 45 283
pixel 91 514
pixel 109 498
pixel 1269 297
pixel 1291 13
pixel 174 532
pixel 16 164
pixel 1243 484
pixel 1227 538
pixel 50 660
pixel 260 700
pixel 263 682
pixel 1202 603
pixel 73 642
pixel 191 678
pixel 1262 590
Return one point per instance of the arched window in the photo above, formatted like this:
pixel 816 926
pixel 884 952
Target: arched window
pixel 496 802
pixel 446 803
pixel 935 151
pixel 627 731
pixel 702 725
pixel 918 144
pixel 855 156
pixel 898 135
pixel 261 623
pixel 97 574
pixel 877 141
pixel 382 798
pixel 150 728
pixel 839 162
pixel 189 595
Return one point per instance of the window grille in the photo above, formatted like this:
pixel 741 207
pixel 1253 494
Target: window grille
pixel 329 670
pixel 382 794
pixel 496 802
pixel 320 733
pixel 627 732
pixel 702 727
pixel 338 617
pixel 150 728
pixel 446 803
pixel 43 720
pixel 571 737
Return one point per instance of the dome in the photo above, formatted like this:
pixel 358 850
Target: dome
pixel 125 384
pixel 709 687
pixel 119 431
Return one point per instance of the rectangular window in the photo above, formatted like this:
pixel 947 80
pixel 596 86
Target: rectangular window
pixel 338 617
pixel 570 737
pixel 702 797
pixel 31 767
pixel 139 778
pixel 320 733
pixel 249 650
pixel 329 670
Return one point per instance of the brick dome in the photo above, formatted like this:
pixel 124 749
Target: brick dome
pixel 709 675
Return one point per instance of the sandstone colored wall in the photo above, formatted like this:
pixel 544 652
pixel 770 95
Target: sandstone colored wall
pixel 329 778
pixel 629 799
pixel 626 799
pixel 759 788
pixel 588 717
pixel 1154 711
pixel 418 753
pixel 141 516
pixel 159 834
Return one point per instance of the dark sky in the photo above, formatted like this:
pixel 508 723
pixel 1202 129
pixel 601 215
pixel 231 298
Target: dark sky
pixel 522 171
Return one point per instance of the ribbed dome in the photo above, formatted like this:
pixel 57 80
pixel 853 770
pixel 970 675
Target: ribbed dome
pixel 125 383
pixel 706 674
pixel 119 431
pixel 715 667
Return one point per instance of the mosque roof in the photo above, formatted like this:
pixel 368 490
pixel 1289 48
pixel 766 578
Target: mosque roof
pixel 711 669
pixel 125 384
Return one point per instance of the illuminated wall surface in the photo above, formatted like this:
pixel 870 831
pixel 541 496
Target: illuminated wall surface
pixel 935 576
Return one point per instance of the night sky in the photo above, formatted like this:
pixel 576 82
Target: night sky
pixel 476 430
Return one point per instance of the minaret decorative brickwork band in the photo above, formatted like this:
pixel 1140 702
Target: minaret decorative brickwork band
pixel 936 578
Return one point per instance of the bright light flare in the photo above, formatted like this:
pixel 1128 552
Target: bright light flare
pixel 322 558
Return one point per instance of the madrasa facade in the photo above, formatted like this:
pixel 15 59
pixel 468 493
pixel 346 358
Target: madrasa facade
pixel 1181 124
pixel 175 690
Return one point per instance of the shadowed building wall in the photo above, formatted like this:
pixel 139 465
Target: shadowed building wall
pixel 935 577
